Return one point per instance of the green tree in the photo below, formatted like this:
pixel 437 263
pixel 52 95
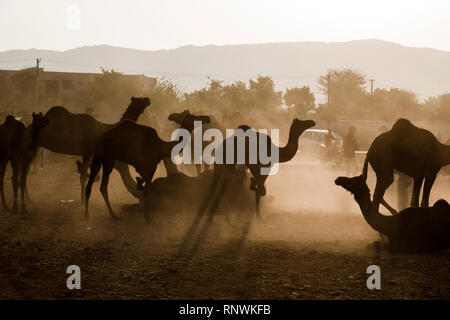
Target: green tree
pixel 111 91
pixel 264 99
pixel 346 91
pixel 438 107
pixel 300 99
pixel 395 103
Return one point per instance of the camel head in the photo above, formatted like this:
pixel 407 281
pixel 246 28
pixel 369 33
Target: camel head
pixel 186 120
pixel 355 185
pixel 299 126
pixel 140 103
pixel 39 122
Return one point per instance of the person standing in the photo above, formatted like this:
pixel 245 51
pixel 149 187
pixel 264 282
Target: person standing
pixel 350 147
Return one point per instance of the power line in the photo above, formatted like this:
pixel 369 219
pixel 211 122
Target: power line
pixel 19 60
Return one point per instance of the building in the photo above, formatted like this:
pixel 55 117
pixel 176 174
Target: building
pixel 58 87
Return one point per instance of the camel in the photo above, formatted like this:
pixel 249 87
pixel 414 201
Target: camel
pixel 136 145
pixel 178 118
pixel 412 230
pixel 79 134
pixel 408 149
pixel 18 146
pixel 223 172
pixel 171 191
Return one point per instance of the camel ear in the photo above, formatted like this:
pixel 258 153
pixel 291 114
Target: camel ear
pixel 34 115
pixel 133 99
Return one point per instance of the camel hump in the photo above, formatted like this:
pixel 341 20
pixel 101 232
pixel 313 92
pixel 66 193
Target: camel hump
pixel 127 126
pixel 402 125
pixel 10 118
pixel 10 121
pixel 57 110
pixel 441 203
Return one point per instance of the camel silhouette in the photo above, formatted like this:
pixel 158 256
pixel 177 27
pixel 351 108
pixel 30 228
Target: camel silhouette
pixel 79 134
pixel 18 146
pixel 408 149
pixel 168 192
pixel 214 124
pixel 136 145
pixel 223 172
pixel 412 230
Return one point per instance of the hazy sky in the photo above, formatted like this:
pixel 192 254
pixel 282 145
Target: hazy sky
pixel 159 24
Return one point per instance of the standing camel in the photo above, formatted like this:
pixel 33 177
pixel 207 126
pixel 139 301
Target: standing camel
pixel 178 118
pixel 79 134
pixel 412 230
pixel 136 145
pixel 223 172
pixel 18 146
pixel 408 149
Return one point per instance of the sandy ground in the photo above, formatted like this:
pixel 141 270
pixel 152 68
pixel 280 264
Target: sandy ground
pixel 312 243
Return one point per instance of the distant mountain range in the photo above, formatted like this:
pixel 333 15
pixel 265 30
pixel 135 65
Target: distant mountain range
pixel 422 70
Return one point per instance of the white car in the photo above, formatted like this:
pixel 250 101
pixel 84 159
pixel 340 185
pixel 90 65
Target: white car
pixel 313 141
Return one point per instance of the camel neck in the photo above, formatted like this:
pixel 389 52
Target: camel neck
pixel 32 137
pixel 376 220
pixel 290 149
pixel 445 151
pixel 132 113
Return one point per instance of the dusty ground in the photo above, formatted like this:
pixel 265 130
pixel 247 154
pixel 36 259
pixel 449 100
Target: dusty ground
pixel 312 243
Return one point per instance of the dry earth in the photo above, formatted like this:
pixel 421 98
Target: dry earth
pixel 312 243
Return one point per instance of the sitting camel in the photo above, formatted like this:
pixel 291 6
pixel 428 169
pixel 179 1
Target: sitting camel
pixel 79 134
pixel 214 124
pixel 171 191
pixel 18 146
pixel 412 230
pixel 137 145
pixel 223 172
pixel 408 149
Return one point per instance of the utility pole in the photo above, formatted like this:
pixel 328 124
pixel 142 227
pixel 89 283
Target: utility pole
pixel 36 88
pixel 371 97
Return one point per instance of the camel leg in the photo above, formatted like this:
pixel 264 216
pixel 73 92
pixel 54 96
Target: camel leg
pixel 220 192
pixel 127 180
pixel 41 152
pixel 402 190
pixel 383 183
pixel 218 174
pixel 429 181
pixel 198 167
pixel 23 186
pixel 257 185
pixel 170 166
pixel 259 192
pixel 387 206
pixel 147 194
pixel 95 168
pixel 147 190
pixel 27 196
pixel 83 169
pixel 3 165
pixel 15 184
pixel 416 191
pixel 107 169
